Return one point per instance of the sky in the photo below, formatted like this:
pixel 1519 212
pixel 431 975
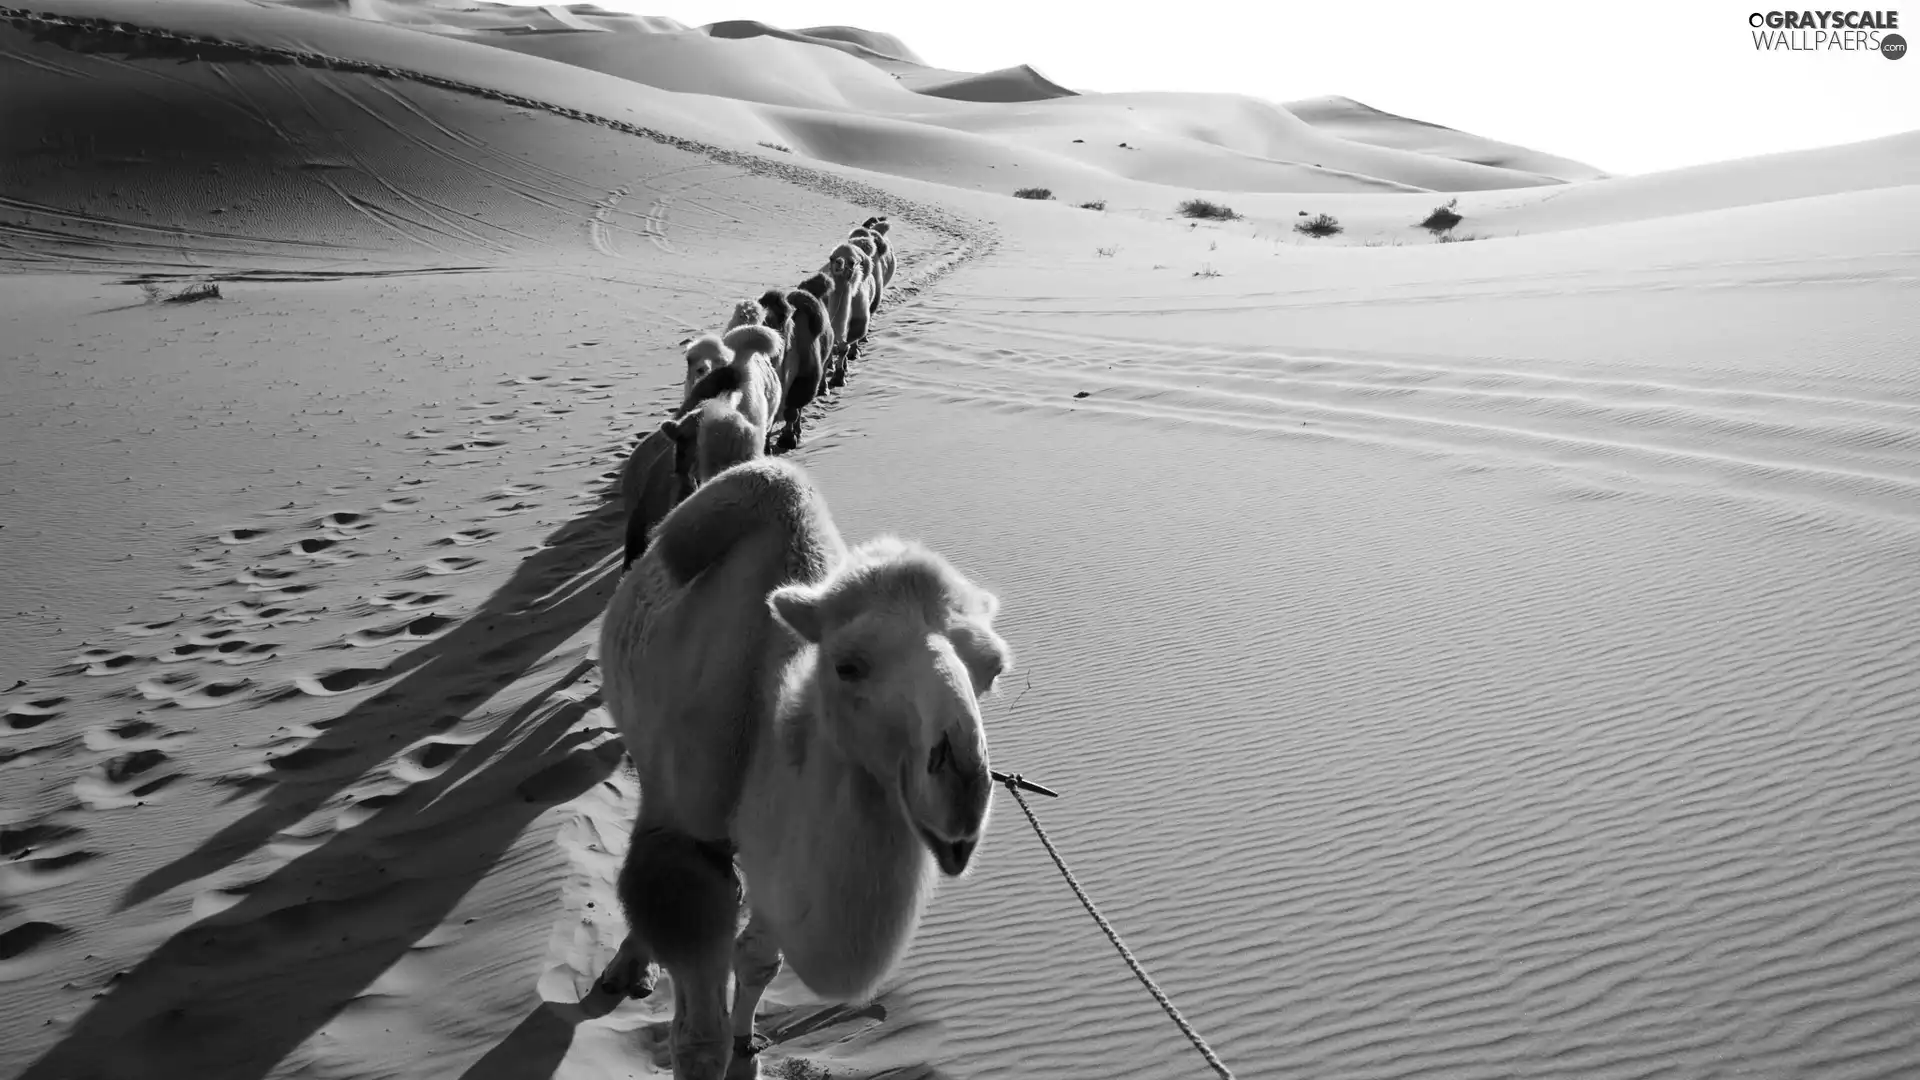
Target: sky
pixel 1628 87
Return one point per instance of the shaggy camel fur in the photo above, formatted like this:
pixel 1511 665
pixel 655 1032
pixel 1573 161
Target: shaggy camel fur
pixel 704 353
pixel 756 352
pixel 846 305
pixel 882 262
pixel 801 373
pixel 834 365
pixel 810 707
pixel 862 242
pixel 745 313
pixel 662 470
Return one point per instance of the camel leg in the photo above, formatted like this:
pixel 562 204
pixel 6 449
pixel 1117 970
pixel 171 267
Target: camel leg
pixel 630 973
pixel 701 1042
pixel 756 960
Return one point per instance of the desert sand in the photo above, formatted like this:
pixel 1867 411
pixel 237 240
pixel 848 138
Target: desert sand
pixel 1476 659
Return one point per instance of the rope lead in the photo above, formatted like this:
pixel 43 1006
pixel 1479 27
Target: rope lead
pixel 1014 783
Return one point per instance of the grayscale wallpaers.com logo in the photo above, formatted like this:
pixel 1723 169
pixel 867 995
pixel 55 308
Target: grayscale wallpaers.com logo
pixel 1819 31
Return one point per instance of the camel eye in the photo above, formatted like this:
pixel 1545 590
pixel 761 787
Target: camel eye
pixel 851 669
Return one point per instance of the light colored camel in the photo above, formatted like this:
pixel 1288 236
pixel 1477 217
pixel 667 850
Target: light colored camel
pixel 846 305
pixel 882 262
pixel 801 366
pixel 862 241
pixel 700 441
pixel 745 313
pixel 833 368
pixel 810 707
pixel 756 353
pixel 704 353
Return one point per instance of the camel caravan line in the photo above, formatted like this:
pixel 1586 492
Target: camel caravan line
pixel 803 713
pixel 776 355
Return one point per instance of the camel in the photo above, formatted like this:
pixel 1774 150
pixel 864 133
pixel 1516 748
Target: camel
pixel 664 467
pixel 811 708
pixel 756 350
pixel 704 353
pixel 862 241
pixel 834 365
pixel 802 369
pixel 883 262
pixel 847 305
pixel 745 313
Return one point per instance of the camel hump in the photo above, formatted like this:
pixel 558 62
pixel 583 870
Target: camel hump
pixel 809 314
pixel 764 494
pixel 779 310
pixel 682 896
pixel 816 286
pixel 753 339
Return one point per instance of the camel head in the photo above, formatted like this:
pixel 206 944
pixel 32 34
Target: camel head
pixel 745 313
pixel 903 649
pixel 709 439
pixel 844 263
pixel 704 353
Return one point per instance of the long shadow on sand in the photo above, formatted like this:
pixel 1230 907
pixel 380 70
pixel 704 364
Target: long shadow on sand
pixel 233 994
pixel 444 679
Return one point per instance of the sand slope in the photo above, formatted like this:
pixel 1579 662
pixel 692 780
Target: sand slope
pixel 1484 659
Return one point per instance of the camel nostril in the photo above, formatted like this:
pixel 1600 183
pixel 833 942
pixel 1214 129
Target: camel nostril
pixel 941 756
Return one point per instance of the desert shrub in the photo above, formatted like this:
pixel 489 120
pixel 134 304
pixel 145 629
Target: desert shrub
pixel 777 146
pixel 1449 238
pixel 1033 193
pixel 1212 211
pixel 1317 226
pixel 1106 252
pixel 1206 270
pixel 1096 204
pixel 204 290
pixel 1442 218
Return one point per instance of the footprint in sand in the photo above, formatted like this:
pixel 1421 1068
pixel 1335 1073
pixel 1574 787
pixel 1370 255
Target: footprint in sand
pixel 185 691
pixel 408 601
pixel 307 758
pixel 465 538
pixel 252 613
pixel 242 535
pixel 267 577
pixel 426 760
pixel 31 714
pixel 452 564
pixel 145 629
pixel 400 503
pixel 97 662
pixel 339 681
pixel 24 939
pixel 419 629
pixel 130 735
pixel 129 779
pixel 45 869
pixel 221 646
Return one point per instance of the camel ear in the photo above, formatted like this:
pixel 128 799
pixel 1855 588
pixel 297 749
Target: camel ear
pixel 799 607
pixel 985 604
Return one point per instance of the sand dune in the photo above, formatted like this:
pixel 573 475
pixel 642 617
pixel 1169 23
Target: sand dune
pixel 1477 659
pixel 1020 83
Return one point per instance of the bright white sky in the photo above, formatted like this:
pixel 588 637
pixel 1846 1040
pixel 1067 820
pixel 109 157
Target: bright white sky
pixel 1628 86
